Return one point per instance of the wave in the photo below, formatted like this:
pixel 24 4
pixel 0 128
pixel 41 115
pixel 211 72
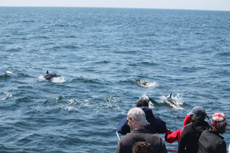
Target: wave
pixel 102 62
pixel 59 25
pixel 16 49
pixel 129 52
pixel 4 76
pixel 70 47
pixel 27 21
pixel 226 53
pixel 146 63
pixel 87 80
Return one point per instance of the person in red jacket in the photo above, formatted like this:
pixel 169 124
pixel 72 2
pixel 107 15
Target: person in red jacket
pixel 172 136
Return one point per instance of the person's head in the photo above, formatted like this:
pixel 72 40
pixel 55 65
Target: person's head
pixel 143 102
pixel 198 112
pixel 136 118
pixel 141 147
pixel 218 122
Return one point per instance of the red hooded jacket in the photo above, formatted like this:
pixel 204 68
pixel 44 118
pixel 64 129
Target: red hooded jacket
pixel 171 137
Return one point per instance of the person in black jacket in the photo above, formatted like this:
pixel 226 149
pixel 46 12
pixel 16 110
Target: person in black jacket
pixel 210 141
pixel 137 121
pixel 157 125
pixel 191 133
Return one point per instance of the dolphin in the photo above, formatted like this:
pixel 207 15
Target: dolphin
pixel 50 76
pixel 11 73
pixel 171 100
pixel 142 83
pixel 145 83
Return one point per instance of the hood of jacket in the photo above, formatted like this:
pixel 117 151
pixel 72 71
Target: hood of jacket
pixel 199 126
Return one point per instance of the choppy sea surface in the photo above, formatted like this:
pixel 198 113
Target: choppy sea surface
pixel 108 59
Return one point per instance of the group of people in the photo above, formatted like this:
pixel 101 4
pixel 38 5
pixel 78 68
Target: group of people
pixel 141 125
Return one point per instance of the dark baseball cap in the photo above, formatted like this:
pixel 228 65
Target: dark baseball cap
pixel 198 111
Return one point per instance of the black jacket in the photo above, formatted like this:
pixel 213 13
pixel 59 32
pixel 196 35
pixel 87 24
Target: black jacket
pixel 189 138
pixel 157 125
pixel 126 143
pixel 211 142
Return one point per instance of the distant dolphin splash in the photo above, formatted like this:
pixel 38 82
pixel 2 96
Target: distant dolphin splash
pixel 8 95
pixel 146 84
pixel 50 76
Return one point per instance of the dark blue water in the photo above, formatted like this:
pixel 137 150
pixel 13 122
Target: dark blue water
pixel 103 56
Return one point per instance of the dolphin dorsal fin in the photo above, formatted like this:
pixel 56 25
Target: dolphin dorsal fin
pixel 170 95
pixel 47 72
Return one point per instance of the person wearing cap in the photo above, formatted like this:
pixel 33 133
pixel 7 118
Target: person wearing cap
pixel 137 121
pixel 191 133
pixel 157 125
pixel 210 141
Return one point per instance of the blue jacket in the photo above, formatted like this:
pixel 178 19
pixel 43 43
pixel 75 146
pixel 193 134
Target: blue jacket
pixel 156 124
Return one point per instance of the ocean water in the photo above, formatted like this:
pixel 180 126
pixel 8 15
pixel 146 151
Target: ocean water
pixel 108 59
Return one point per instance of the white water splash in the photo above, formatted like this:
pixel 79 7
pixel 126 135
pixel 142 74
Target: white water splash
pixel 8 95
pixel 151 105
pixel 58 80
pixel 145 97
pixel 69 109
pixel 72 101
pixel 146 84
pixel 178 101
pixel 54 80
pixel 229 148
pixel 41 78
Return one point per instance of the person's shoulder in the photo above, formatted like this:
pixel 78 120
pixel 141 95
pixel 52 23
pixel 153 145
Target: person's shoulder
pixel 188 129
pixel 213 134
pixel 206 124
pixel 155 136
pixel 206 132
pixel 125 138
pixel 188 126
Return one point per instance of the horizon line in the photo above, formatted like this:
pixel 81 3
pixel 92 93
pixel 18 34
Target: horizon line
pixel 192 9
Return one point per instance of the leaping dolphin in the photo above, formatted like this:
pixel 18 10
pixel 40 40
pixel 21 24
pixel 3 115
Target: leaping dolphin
pixel 171 100
pixel 50 76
